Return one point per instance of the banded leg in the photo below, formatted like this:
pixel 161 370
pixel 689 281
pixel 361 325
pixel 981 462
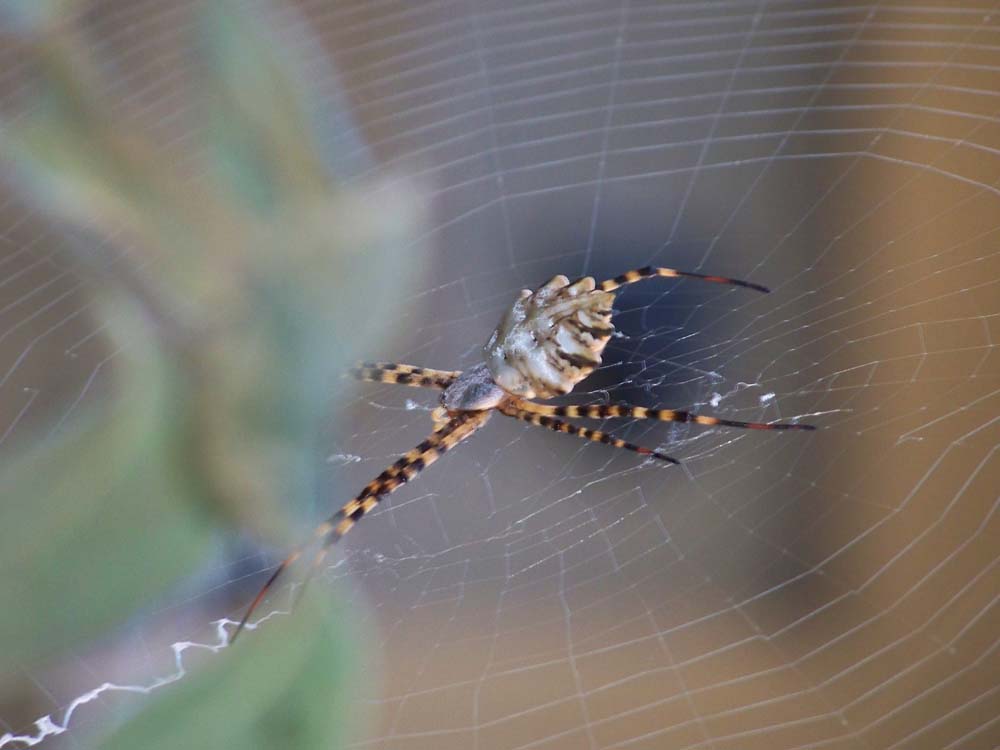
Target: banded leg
pixel 403 470
pixel 604 411
pixel 390 372
pixel 597 436
pixel 630 277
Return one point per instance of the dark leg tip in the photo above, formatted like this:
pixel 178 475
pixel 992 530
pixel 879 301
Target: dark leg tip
pixel 756 287
pixel 668 459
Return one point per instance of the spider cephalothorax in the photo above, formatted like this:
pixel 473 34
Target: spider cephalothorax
pixel 546 343
pixel 473 390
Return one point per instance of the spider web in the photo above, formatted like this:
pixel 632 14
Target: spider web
pixel 835 589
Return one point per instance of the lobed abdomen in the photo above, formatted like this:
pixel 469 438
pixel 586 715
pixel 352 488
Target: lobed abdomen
pixel 551 338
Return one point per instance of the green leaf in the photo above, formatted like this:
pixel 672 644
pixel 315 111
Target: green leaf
pixel 28 16
pixel 288 685
pixel 97 519
pixel 258 109
pixel 260 279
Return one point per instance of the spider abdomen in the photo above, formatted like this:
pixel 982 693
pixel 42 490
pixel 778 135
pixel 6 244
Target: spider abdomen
pixel 550 339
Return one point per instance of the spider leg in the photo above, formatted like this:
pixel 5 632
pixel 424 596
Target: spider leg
pixel 597 436
pixel 390 372
pixel 603 411
pixel 440 418
pixel 403 470
pixel 630 277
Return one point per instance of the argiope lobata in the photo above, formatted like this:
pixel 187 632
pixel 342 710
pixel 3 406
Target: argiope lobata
pixel 547 342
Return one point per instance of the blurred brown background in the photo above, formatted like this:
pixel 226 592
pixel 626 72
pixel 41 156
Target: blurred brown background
pixel 832 590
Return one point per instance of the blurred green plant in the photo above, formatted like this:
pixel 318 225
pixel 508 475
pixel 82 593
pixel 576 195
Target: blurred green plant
pixel 243 291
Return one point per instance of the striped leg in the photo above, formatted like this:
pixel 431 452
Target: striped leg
pixel 403 470
pixel 603 411
pixel 389 372
pixel 597 436
pixel 630 277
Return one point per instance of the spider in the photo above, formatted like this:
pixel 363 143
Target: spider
pixel 546 343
